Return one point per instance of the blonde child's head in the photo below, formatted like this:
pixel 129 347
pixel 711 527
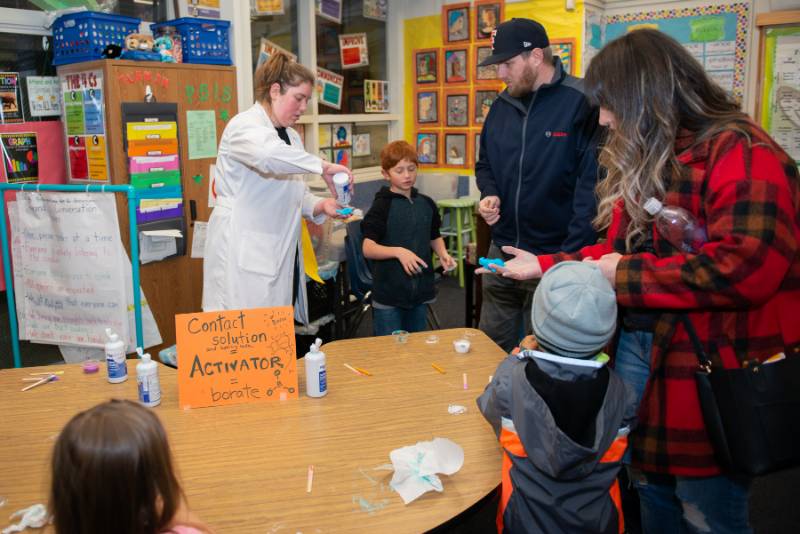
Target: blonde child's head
pixel 112 472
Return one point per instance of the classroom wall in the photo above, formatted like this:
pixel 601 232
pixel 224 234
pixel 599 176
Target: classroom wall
pixel 422 29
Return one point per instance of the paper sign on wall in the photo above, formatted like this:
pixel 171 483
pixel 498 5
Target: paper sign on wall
pixel 44 96
pixel 236 357
pixel 329 88
pixel 353 50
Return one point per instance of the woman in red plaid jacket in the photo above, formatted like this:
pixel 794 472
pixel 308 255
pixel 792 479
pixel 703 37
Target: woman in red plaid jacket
pixel 678 137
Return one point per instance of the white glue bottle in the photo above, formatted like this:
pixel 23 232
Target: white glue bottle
pixel 147 380
pixel 341 182
pixel 115 358
pixel 316 375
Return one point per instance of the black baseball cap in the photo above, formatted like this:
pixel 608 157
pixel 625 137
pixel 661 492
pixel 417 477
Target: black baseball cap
pixel 513 37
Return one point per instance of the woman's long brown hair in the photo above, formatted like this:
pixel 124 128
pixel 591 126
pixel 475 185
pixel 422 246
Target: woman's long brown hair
pixel 112 472
pixel 655 89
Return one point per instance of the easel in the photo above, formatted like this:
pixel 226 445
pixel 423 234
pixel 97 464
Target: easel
pixel 12 309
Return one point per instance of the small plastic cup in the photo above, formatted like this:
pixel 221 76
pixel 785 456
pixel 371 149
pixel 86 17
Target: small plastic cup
pixel 400 336
pixel 431 340
pixel 461 346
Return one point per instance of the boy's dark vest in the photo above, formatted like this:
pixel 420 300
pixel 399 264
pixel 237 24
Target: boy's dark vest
pixel 408 225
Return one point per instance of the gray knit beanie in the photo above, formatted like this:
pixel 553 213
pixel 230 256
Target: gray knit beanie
pixel 574 310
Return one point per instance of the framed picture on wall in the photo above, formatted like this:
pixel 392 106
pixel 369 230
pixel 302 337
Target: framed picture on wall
pixel 564 49
pixel 476 152
pixel 455 65
pixel 426 107
pixel 483 98
pixel 326 154
pixel 342 134
pixel 456 149
pixel 483 74
pixel 426 65
pixel 456 106
pixel 343 156
pixel 455 23
pixel 488 14
pixel 427 145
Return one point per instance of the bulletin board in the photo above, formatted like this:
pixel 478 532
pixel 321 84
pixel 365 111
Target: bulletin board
pixel 716 35
pixel 779 81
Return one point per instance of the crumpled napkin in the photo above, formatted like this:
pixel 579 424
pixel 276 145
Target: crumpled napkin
pixel 416 466
pixel 34 516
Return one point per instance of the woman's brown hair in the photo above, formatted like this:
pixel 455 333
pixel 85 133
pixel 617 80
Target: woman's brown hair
pixel 283 70
pixel 656 89
pixel 112 472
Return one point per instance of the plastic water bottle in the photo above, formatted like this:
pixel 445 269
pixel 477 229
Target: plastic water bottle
pixel 115 358
pixel 147 380
pixel 341 182
pixel 677 226
pixel 316 375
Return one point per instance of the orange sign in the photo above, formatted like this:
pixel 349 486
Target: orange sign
pixel 236 356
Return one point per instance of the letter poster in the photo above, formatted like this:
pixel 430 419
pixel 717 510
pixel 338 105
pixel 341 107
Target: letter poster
pixel 354 51
pixel 10 107
pixel 20 157
pixel 236 357
pixel 83 115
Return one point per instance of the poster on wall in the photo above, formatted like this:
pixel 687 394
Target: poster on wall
pixel 593 37
pixel 44 96
pixel 716 35
pixel 342 134
pixel 780 107
pixel 330 9
pixel 488 14
pixel 20 157
pixel 376 96
pixel 268 7
pixel 455 23
pixel 361 145
pixel 329 88
pixel 565 50
pixel 353 50
pixel 375 9
pixel 267 48
pixel 11 109
pixel 208 9
pixel 428 148
pixel 83 116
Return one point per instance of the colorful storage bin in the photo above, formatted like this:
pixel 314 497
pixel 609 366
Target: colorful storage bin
pixel 82 36
pixel 204 40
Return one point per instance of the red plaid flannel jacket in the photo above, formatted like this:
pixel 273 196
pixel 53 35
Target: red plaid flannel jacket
pixel 741 291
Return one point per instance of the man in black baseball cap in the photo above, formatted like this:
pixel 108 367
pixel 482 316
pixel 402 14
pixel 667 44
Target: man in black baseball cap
pixel 513 37
pixel 536 169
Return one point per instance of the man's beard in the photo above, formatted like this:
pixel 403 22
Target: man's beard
pixel 525 83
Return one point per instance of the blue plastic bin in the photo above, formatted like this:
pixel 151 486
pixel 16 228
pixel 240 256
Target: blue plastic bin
pixel 82 36
pixel 203 40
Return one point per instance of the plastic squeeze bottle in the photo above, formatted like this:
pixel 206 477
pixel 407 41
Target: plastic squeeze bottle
pixel 677 226
pixel 115 358
pixel 341 182
pixel 316 375
pixel 147 380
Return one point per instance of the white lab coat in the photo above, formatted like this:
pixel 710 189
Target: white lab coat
pixel 254 230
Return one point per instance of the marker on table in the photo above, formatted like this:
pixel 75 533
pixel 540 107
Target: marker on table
pixel 48 374
pixel 43 380
pixel 438 368
pixel 465 380
pixel 363 371
pixel 310 479
pixel 356 371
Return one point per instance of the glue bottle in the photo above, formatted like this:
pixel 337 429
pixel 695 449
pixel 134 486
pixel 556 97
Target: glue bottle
pixel 147 380
pixel 316 375
pixel 115 358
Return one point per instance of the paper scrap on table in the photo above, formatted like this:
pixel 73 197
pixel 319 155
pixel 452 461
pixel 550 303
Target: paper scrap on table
pixel 35 516
pixel 416 466
pixel 456 409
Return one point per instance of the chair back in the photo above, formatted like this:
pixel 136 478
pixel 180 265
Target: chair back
pixel 358 268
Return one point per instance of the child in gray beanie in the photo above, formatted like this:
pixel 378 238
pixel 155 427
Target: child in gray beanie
pixel 560 414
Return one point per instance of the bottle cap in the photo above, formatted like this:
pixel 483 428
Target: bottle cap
pixel 316 345
pixel 652 206
pixel 341 177
pixel 112 335
pixel 144 356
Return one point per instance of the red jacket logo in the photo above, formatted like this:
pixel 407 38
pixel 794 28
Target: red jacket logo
pixel 549 133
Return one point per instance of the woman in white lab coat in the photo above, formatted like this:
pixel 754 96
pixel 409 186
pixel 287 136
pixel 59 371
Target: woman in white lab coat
pixel 252 253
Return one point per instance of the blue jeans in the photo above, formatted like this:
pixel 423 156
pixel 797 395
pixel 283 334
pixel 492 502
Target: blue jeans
pixel 386 321
pixel 682 505
pixel 632 364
